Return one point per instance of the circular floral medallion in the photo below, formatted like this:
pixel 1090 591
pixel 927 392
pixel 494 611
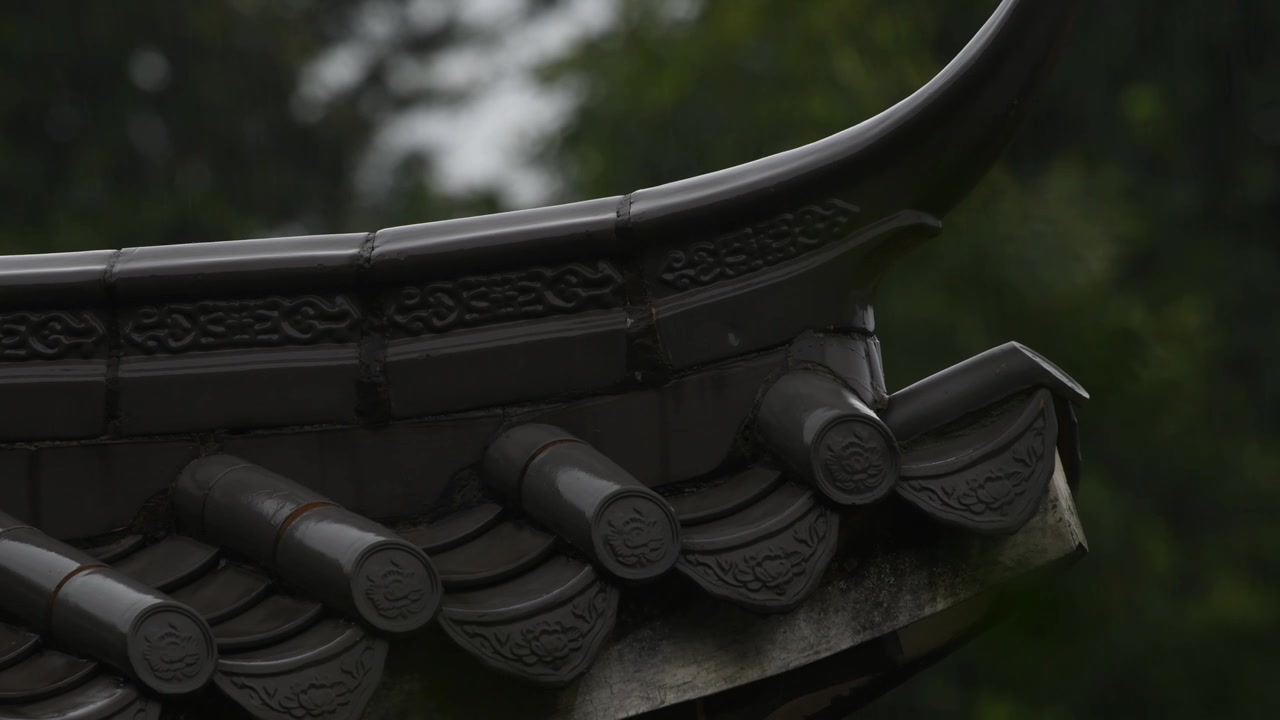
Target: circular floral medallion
pixel 395 589
pixel 636 536
pixel 171 650
pixel 856 462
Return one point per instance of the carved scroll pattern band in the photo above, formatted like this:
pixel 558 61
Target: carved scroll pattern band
pixel 263 323
pixel 768 243
pixel 520 295
pixel 51 335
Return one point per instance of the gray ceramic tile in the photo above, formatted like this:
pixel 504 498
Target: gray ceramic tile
pixel 53 400
pixel 394 471
pixel 406 468
pixel 234 389
pixel 681 430
pixel 15 483
pixel 94 488
pixel 584 229
pixel 506 363
pixel 238 266
pixel 322 460
pixel 770 307
pixel 75 279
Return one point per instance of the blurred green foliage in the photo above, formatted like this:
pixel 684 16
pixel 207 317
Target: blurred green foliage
pixel 155 122
pixel 1129 234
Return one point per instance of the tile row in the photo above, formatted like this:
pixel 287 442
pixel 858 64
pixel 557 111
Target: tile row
pixel 684 429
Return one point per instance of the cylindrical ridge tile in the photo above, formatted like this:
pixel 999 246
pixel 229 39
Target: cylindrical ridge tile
pixel 587 499
pixel 102 614
pixel 823 432
pixel 351 563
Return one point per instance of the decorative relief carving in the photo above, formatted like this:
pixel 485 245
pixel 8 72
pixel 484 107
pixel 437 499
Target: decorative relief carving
pixel 51 335
pixel 551 647
pixel 173 652
pixel 520 295
pixel 999 490
pixel 170 650
pixel 854 458
pixel 636 536
pixel 396 595
pixel 395 589
pixel 771 574
pixel 993 490
pixel 331 690
pixel 765 244
pixel 225 324
pixel 636 540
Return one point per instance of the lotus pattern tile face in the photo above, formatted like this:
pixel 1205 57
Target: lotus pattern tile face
pixel 173 653
pixel 996 490
pixel 396 594
pixel 326 691
pixel 555 646
pixel 549 643
pixel 774 571
pixel 1000 483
